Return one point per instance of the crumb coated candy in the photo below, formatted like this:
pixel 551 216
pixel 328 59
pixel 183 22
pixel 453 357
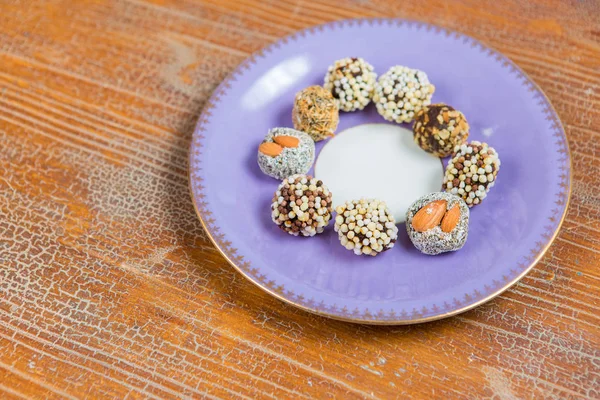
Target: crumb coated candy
pixel 366 226
pixel 472 171
pixel 285 152
pixel 437 223
pixel 351 82
pixel 439 128
pixel 316 113
pixel 302 205
pixel 401 92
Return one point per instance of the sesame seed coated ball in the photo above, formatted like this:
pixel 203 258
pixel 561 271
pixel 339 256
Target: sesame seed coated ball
pixel 284 152
pixel 439 236
pixel 439 128
pixel 401 92
pixel 302 205
pixel 472 171
pixel 366 226
pixel 316 113
pixel 351 82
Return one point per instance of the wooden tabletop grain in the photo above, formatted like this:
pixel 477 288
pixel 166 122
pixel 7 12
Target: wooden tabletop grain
pixel 109 288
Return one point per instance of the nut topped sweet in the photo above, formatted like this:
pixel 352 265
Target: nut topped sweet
pixel 285 152
pixel 316 113
pixel 401 92
pixel 302 205
pixel 365 226
pixel 472 171
pixel 351 82
pixel 439 128
pixel 437 223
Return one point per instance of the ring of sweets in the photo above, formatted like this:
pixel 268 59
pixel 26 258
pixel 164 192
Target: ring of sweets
pixel 435 223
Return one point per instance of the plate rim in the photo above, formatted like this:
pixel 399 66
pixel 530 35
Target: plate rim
pixel 372 320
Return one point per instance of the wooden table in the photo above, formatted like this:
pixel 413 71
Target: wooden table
pixel 109 288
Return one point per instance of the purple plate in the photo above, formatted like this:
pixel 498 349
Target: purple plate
pixel 509 232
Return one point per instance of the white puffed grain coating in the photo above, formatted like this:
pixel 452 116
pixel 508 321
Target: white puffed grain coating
pixel 365 226
pixel 351 81
pixel 472 172
pixel 401 92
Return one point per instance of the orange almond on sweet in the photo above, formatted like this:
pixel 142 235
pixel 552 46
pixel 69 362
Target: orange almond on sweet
pixel 270 149
pixel 287 141
pixel 429 216
pixel 451 219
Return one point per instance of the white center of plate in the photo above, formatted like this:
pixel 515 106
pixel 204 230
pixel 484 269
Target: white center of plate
pixel 379 161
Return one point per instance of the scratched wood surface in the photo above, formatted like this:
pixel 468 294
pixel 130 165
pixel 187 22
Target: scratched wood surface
pixel 109 288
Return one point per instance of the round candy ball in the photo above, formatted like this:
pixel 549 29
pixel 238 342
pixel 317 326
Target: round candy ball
pixel 366 226
pixel 302 205
pixel 402 92
pixel 437 223
pixel 439 128
pixel 472 171
pixel 351 82
pixel 285 152
pixel 316 113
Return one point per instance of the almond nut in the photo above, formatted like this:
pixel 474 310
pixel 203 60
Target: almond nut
pixel 287 141
pixel 451 219
pixel 429 216
pixel 270 149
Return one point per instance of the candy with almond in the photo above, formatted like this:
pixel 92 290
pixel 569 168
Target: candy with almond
pixel 285 152
pixel 438 223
